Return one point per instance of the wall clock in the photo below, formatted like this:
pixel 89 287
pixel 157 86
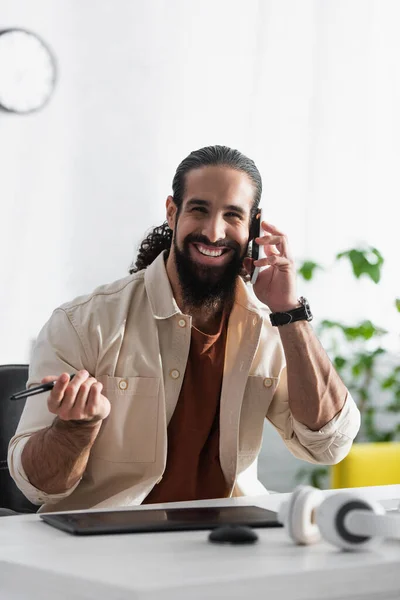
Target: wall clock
pixel 27 71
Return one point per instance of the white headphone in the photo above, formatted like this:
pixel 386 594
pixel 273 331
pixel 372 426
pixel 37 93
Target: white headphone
pixel 345 519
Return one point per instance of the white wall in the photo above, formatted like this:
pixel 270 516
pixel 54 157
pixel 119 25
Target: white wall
pixel 308 89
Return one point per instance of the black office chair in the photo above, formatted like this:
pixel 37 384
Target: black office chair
pixel 13 378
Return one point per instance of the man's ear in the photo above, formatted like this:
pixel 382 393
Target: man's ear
pixel 171 212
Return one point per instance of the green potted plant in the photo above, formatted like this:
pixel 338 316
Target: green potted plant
pixel 363 361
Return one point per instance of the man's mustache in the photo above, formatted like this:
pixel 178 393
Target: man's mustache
pixel 202 239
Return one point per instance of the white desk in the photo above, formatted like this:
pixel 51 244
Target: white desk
pixel 38 561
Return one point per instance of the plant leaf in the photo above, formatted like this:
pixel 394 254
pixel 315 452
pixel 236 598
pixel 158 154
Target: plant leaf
pixel 366 261
pixel 364 330
pixel 307 269
pixel 317 475
pixel 339 362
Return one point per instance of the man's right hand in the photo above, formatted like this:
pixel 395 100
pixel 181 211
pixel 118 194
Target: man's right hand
pixel 55 458
pixel 77 400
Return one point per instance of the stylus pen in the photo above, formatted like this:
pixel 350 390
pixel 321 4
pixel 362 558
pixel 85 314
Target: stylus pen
pixel 45 387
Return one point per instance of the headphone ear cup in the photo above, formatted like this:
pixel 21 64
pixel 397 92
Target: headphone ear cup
pixel 331 519
pixel 297 514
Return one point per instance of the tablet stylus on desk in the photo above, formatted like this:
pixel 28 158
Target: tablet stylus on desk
pixel 44 387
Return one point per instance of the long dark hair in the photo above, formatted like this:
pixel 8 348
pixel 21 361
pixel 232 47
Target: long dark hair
pixel 160 238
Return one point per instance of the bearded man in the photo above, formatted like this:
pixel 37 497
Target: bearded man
pixel 177 366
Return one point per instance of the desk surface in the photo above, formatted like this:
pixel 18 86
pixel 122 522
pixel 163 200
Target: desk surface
pixel 37 561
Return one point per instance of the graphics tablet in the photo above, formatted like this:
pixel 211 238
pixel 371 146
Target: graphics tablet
pixel 172 519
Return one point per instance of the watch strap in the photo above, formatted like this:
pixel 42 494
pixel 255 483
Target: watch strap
pixel 301 313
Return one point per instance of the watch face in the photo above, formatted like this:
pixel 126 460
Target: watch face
pixel 27 71
pixel 307 308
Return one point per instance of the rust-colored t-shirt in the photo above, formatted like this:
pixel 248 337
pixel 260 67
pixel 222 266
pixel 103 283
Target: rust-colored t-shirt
pixel 193 470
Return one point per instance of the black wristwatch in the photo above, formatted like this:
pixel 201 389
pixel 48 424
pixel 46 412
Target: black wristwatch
pixel 302 313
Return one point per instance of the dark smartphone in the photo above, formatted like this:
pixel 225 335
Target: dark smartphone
pixel 255 231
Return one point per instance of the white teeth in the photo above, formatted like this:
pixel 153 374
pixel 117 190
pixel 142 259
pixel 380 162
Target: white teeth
pixel 209 252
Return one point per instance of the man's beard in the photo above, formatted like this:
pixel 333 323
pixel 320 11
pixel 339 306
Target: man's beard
pixel 203 286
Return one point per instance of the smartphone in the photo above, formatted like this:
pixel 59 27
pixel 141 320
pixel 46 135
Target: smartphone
pixel 256 251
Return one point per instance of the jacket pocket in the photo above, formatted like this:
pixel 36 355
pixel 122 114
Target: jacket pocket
pixel 256 400
pixel 129 434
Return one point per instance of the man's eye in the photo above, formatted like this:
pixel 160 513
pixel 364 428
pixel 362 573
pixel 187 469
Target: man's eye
pixel 233 214
pixel 199 209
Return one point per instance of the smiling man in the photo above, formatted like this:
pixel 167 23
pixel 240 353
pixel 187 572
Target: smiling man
pixel 178 365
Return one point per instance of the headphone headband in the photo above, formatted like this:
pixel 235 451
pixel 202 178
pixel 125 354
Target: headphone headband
pixel 345 519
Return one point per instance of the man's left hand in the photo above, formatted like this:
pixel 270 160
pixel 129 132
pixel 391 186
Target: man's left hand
pixel 276 285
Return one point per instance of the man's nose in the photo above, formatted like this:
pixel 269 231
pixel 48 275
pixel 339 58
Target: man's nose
pixel 214 229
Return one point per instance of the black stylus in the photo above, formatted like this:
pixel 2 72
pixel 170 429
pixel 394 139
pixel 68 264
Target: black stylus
pixel 44 387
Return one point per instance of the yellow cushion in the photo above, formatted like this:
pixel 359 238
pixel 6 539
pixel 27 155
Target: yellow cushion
pixel 368 464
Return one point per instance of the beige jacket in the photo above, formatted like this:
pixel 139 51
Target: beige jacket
pixel 133 338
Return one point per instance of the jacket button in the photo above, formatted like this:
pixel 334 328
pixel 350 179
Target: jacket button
pixel 123 384
pixel 174 373
pixel 182 323
pixel 267 382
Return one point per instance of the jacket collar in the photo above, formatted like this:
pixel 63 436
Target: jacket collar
pixel 159 289
pixel 246 298
pixel 161 298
